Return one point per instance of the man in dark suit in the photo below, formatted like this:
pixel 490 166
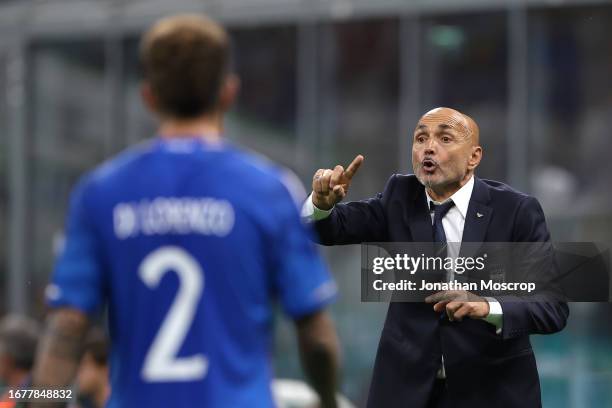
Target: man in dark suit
pixel 465 350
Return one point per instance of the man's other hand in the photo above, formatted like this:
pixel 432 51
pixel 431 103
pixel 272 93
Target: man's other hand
pixel 329 186
pixel 459 304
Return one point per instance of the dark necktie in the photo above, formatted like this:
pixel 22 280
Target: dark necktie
pixel 440 245
pixel 439 237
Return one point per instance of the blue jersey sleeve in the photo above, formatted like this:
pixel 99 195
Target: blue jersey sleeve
pixel 77 278
pixel 301 277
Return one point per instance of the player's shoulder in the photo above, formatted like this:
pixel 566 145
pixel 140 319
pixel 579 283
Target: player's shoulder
pixel 248 172
pixel 117 165
pixel 109 171
pixel 257 174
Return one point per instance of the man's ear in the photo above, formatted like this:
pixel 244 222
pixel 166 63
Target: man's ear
pixel 229 92
pixel 475 157
pixel 148 97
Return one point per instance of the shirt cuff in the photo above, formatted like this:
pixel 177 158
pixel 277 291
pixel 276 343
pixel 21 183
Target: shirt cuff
pixel 310 212
pixel 495 316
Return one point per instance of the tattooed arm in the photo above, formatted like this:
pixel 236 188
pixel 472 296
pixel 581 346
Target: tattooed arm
pixel 59 351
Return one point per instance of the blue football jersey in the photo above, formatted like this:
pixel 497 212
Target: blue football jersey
pixel 189 244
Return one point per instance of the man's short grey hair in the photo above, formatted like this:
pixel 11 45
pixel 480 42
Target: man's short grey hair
pixel 18 340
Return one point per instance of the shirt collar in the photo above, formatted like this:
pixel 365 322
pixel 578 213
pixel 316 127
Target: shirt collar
pixel 461 198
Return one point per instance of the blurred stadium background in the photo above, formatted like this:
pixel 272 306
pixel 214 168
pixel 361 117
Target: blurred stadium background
pixel 324 80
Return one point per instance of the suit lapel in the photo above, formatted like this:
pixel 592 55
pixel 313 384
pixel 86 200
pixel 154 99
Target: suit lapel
pixel 477 218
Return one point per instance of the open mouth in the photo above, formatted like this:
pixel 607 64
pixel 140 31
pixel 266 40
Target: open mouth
pixel 429 165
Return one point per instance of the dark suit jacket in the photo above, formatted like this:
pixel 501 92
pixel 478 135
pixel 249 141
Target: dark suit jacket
pixel 483 369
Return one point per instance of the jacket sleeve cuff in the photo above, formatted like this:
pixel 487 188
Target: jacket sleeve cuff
pixel 310 212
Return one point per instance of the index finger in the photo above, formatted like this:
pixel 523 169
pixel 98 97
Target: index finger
pixel 354 166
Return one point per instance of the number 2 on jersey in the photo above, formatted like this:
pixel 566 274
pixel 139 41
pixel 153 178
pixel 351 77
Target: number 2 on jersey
pixel 161 362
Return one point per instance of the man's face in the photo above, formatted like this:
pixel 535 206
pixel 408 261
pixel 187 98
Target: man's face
pixel 442 149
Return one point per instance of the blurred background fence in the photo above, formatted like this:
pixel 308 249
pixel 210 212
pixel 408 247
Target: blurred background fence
pixel 323 81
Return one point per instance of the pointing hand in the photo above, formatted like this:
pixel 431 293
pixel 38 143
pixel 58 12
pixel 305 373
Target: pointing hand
pixel 329 186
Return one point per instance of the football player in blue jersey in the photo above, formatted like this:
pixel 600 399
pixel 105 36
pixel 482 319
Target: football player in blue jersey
pixel 188 241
